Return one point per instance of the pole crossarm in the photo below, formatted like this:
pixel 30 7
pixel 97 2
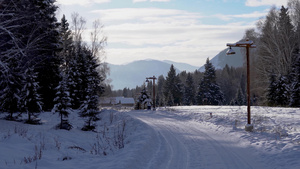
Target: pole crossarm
pixel 153 78
pixel 248 43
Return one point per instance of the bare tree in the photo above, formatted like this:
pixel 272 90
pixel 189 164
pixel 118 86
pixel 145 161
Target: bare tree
pixel 78 26
pixel 277 44
pixel 98 43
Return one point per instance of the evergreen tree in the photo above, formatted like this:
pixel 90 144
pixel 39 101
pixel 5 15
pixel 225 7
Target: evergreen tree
pixel 272 93
pixel 170 99
pixel 125 92
pixel 209 91
pixel 63 103
pixel 67 61
pixel 189 92
pixel 160 99
pixel 295 84
pixel 13 50
pixel 141 99
pixel 31 100
pixel 89 109
pixel 46 26
pixel 173 88
pixel 11 85
pixel 240 98
pixel 282 95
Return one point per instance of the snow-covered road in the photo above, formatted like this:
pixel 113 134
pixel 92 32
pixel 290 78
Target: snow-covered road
pixel 186 144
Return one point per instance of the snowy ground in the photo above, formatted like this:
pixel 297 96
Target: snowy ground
pixel 173 137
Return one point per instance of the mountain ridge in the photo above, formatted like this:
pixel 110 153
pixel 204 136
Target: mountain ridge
pixel 134 73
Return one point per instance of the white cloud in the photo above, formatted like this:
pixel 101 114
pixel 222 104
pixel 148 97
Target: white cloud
pixel 160 0
pixel 166 33
pixel 134 1
pixel 81 2
pixel 255 3
pixel 147 15
pixel 254 14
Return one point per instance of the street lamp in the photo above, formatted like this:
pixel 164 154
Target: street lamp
pixel 147 80
pixel 247 44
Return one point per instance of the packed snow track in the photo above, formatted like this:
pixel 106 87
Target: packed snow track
pixel 180 143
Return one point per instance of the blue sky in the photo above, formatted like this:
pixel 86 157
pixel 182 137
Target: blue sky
pixel 187 31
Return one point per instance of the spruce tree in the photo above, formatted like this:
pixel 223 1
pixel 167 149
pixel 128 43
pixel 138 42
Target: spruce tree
pixel 93 81
pixel 31 100
pixel 282 94
pixel 189 92
pixel 63 103
pixel 272 93
pixel 140 100
pixel 11 86
pixel 46 27
pixel 160 98
pixel 209 91
pixel 240 97
pixel 295 84
pixel 173 88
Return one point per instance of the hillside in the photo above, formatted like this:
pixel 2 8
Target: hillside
pixel 134 74
pixel 221 59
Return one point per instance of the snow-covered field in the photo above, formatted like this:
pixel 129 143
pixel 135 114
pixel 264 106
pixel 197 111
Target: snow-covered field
pixel 172 137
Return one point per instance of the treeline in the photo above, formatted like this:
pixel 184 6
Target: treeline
pixel 44 65
pixel 274 67
pixel 212 87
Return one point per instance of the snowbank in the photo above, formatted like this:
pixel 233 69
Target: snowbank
pixel 116 144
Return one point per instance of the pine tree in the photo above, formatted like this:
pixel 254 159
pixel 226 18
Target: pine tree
pixel 63 103
pixel 31 100
pixel 11 85
pixel 13 51
pixel 295 84
pixel 66 44
pixel 271 93
pixel 173 88
pixel 282 95
pixel 46 27
pixel 209 91
pixel 140 100
pixel 160 98
pixel 240 97
pixel 93 80
pixel 67 59
pixel 189 92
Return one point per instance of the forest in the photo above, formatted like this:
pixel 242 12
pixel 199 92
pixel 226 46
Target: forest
pixel 274 70
pixel 46 66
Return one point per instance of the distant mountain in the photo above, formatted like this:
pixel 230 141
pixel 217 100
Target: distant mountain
pixel 134 74
pixel 182 66
pixel 221 59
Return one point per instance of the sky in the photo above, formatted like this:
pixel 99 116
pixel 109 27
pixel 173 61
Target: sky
pixel 186 31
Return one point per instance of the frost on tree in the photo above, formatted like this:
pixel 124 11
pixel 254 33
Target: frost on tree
pixel 209 91
pixel 63 104
pixel 10 88
pixel 92 79
pixel 31 100
pixel 140 103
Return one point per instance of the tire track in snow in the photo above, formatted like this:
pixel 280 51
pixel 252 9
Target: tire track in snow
pixel 170 152
pixel 185 144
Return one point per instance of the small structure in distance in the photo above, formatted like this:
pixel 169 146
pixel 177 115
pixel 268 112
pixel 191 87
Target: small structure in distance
pixel 127 102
